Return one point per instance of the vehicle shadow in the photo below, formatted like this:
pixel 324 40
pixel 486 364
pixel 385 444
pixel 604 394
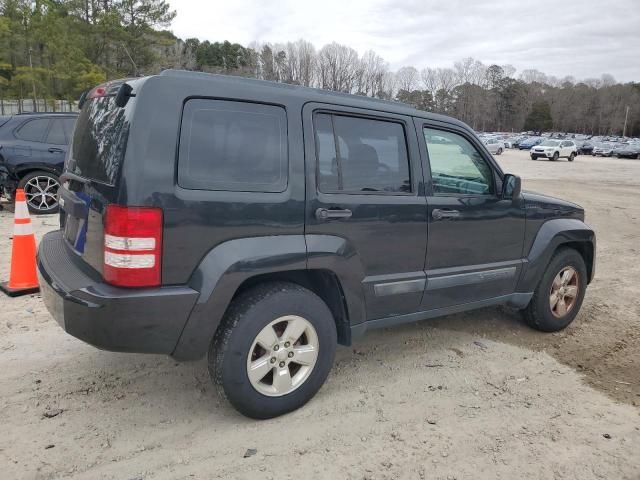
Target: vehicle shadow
pixel 171 392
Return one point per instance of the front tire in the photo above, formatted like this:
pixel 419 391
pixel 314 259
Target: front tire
pixel 41 191
pixel 534 157
pixel 499 152
pixel 572 157
pixel 273 349
pixel 559 295
pixel 555 157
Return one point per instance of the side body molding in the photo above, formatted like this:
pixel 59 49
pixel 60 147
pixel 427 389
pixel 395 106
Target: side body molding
pixel 552 234
pixel 219 275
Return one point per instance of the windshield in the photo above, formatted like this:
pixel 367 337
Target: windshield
pixel 550 143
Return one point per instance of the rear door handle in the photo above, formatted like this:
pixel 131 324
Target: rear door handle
pixel 328 213
pixel 55 150
pixel 439 214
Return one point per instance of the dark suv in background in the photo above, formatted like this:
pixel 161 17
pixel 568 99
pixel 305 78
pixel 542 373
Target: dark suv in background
pixel 33 147
pixel 266 223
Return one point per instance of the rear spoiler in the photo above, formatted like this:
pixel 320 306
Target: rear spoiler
pixel 122 94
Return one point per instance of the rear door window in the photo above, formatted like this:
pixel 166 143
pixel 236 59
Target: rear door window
pixel 33 130
pixel 56 134
pixel 233 146
pixel 357 155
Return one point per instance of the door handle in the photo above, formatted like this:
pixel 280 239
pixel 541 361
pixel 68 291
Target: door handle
pixel 55 150
pixel 439 214
pixel 328 213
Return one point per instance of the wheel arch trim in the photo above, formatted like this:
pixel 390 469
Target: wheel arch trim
pixel 554 234
pixel 227 266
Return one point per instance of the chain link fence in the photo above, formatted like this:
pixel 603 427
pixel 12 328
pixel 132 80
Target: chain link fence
pixel 12 107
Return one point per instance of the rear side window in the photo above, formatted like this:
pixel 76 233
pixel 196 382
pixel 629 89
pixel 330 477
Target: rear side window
pixel 33 130
pixel 233 146
pixel 358 155
pixel 99 140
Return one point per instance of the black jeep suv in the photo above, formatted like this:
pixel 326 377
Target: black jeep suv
pixel 32 151
pixel 265 223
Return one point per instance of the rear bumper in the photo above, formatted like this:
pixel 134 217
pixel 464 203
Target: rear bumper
pixel 117 319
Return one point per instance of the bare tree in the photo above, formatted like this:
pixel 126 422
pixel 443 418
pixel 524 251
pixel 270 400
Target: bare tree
pixel 509 70
pixel 407 79
pixel 372 73
pixel 337 67
pixel 531 75
pixel 429 77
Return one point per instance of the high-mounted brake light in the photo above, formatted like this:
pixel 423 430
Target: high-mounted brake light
pixel 132 246
pixel 99 91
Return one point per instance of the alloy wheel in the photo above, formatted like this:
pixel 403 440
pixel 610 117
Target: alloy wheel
pixel 42 193
pixel 282 356
pixel 564 292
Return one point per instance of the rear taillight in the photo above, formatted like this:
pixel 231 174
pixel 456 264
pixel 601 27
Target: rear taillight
pixel 132 246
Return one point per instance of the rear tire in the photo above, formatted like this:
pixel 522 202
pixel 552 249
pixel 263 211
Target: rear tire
pixel 249 340
pixel 41 189
pixel 572 157
pixel 499 152
pixel 540 314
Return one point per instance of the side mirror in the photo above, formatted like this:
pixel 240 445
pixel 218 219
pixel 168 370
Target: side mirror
pixel 511 187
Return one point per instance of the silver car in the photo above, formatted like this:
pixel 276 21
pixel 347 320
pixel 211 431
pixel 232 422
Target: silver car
pixel 495 146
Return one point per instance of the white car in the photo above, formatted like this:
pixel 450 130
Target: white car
pixel 555 149
pixel 495 146
pixel 603 150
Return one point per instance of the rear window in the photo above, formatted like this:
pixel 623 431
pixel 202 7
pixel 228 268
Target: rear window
pixel 233 146
pixel 99 141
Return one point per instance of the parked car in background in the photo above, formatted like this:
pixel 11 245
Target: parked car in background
pixel 33 147
pixel 555 149
pixel 631 150
pixel 495 146
pixel 511 142
pixel 585 148
pixel 515 141
pixel 603 149
pixel 530 142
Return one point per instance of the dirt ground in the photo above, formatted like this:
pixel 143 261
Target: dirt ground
pixel 472 396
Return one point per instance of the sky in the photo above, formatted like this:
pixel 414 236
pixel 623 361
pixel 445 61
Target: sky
pixel 558 37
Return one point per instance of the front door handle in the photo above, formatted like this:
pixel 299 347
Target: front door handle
pixel 439 214
pixel 55 150
pixel 328 213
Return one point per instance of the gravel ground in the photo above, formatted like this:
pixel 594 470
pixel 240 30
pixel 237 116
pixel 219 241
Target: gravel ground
pixel 472 396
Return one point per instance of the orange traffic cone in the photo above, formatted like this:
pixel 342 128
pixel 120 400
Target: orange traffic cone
pixel 22 278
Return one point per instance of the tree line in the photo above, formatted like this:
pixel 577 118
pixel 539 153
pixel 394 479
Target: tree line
pixel 55 49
